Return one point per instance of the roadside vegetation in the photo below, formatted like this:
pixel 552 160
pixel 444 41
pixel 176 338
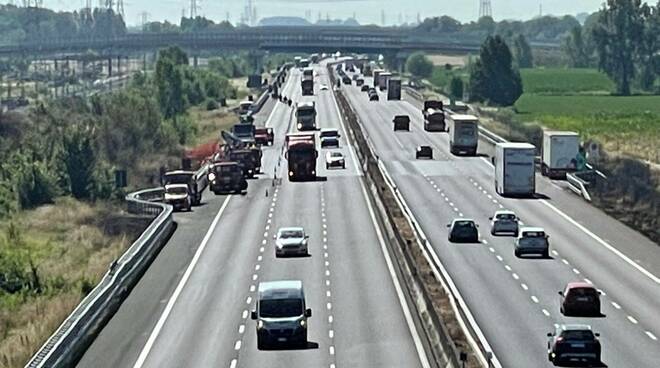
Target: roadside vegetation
pixel 61 218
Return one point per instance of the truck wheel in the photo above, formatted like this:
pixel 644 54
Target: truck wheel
pixel 517 253
pixel 546 254
pixel 544 170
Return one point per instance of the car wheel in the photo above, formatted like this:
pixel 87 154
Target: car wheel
pixel 549 356
pixel 327 166
pixel 492 232
pixel 261 345
pixel 546 254
pixel 343 166
pixel 517 253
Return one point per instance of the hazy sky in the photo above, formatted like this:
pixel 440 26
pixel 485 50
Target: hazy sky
pixel 366 11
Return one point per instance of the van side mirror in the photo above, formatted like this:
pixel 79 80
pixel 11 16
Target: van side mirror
pixel 254 314
pixel 597 334
pixel 306 236
pixel 308 312
pixel 561 293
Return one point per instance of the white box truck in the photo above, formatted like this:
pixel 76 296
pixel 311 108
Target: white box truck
pixel 515 169
pixel 463 134
pixel 559 153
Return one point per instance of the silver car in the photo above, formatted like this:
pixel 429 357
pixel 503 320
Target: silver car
pixel 504 221
pixel 281 314
pixel 532 240
pixel 291 241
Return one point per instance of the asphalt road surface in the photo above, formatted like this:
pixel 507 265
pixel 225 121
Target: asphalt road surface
pixel 191 308
pixel 514 300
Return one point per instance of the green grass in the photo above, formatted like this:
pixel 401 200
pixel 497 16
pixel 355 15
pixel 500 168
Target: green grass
pixel 629 125
pixel 565 81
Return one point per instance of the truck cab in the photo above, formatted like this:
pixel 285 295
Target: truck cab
pixel 244 157
pixel 227 177
pixel 188 178
pixel 463 134
pixel 244 107
pixel 306 116
pixel 264 136
pixel 434 116
pixel 244 131
pixel 301 155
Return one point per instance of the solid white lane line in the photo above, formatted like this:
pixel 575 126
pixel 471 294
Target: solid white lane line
pixel 617 252
pixel 177 291
pixel 421 352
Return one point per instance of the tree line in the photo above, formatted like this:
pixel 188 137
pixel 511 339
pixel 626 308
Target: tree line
pixel 623 40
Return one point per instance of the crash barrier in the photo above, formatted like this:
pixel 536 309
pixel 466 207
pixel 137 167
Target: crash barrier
pixel 443 348
pixel 69 342
pixel 578 183
pixel 261 101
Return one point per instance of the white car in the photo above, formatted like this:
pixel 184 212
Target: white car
pixel 335 159
pixel 504 221
pixel 532 240
pixel 291 241
pixel 324 87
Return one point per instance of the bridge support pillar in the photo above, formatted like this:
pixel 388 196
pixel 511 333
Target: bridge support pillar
pixel 110 67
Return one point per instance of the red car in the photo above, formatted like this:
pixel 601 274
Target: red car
pixel 579 298
pixel 264 136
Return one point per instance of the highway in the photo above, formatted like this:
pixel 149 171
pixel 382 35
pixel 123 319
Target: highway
pixel 515 301
pixel 191 308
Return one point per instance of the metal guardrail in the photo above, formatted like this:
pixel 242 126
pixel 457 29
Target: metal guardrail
pixel 578 185
pixel 69 342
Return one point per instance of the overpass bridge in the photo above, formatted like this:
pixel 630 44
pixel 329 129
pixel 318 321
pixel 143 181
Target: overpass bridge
pixel 295 39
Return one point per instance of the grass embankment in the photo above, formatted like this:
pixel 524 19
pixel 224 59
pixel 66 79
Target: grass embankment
pixel 68 247
pixel 577 100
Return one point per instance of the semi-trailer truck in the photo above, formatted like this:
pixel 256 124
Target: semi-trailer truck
pixel 383 79
pixel 515 169
pixel 559 153
pixel 434 116
pixel 306 116
pixel 301 155
pixel 463 134
pixel 376 74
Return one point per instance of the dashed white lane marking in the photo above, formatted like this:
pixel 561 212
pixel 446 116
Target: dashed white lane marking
pixel 524 286
pixel 248 301
pixel 507 267
pixel 484 241
pixel 577 272
pixel 255 277
pixel 331 334
pixel 237 345
pixel 651 336
pixel 554 252
pixel 264 242
pixel 327 272
pixel 491 249
pixel 499 258
pixel 547 314
pixel 564 261
pixel 535 299
pixel 327 264
pixel 588 281
pixel 460 214
pixel 332 350
pixel 241 329
pixel 262 249
pixel 233 363
pixel 327 282
pixel 329 306
pixel 245 314
pixel 451 204
pixel 602 292
pixel 515 276
pixel 252 288
pixel 330 318
pixel 632 320
pixel 615 305
pixel 328 294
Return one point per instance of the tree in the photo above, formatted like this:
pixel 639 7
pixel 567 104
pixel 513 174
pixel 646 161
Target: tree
pixel 492 77
pixel 456 88
pixel 575 48
pixel 419 65
pixel 523 52
pixel 618 37
pixel 79 160
pixel 169 81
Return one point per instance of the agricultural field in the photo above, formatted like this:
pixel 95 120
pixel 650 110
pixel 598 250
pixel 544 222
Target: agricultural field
pixel 554 81
pixel 578 100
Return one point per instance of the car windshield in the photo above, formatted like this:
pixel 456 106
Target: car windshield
pixel 329 133
pixel 583 292
pixel 178 190
pixel 533 234
pixel 286 234
pixel 578 335
pixel 336 154
pixel 177 179
pixel 506 216
pixel 280 308
pixel 466 131
pixel 225 169
pixel 464 225
pixel 306 112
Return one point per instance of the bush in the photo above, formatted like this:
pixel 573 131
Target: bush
pixel 211 104
pixel 419 65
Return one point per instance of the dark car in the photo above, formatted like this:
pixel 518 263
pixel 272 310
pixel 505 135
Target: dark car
pixel 329 142
pixel 424 151
pixel 373 97
pixel 364 88
pixel 464 231
pixel 579 298
pixel 573 343
pixel 359 82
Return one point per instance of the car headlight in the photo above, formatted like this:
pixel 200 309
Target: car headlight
pixel 313 172
pixel 303 323
pixel 290 173
pixel 419 149
pixel 299 126
pixel 260 324
pixel 211 176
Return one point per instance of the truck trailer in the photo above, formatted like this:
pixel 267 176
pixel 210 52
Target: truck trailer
pixel 515 169
pixel 463 134
pixel 559 153
pixel 394 89
pixel 301 155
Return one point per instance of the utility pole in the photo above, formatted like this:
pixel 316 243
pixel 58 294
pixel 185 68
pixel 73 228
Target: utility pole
pixel 144 19
pixel 195 7
pixel 120 8
pixel 485 9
